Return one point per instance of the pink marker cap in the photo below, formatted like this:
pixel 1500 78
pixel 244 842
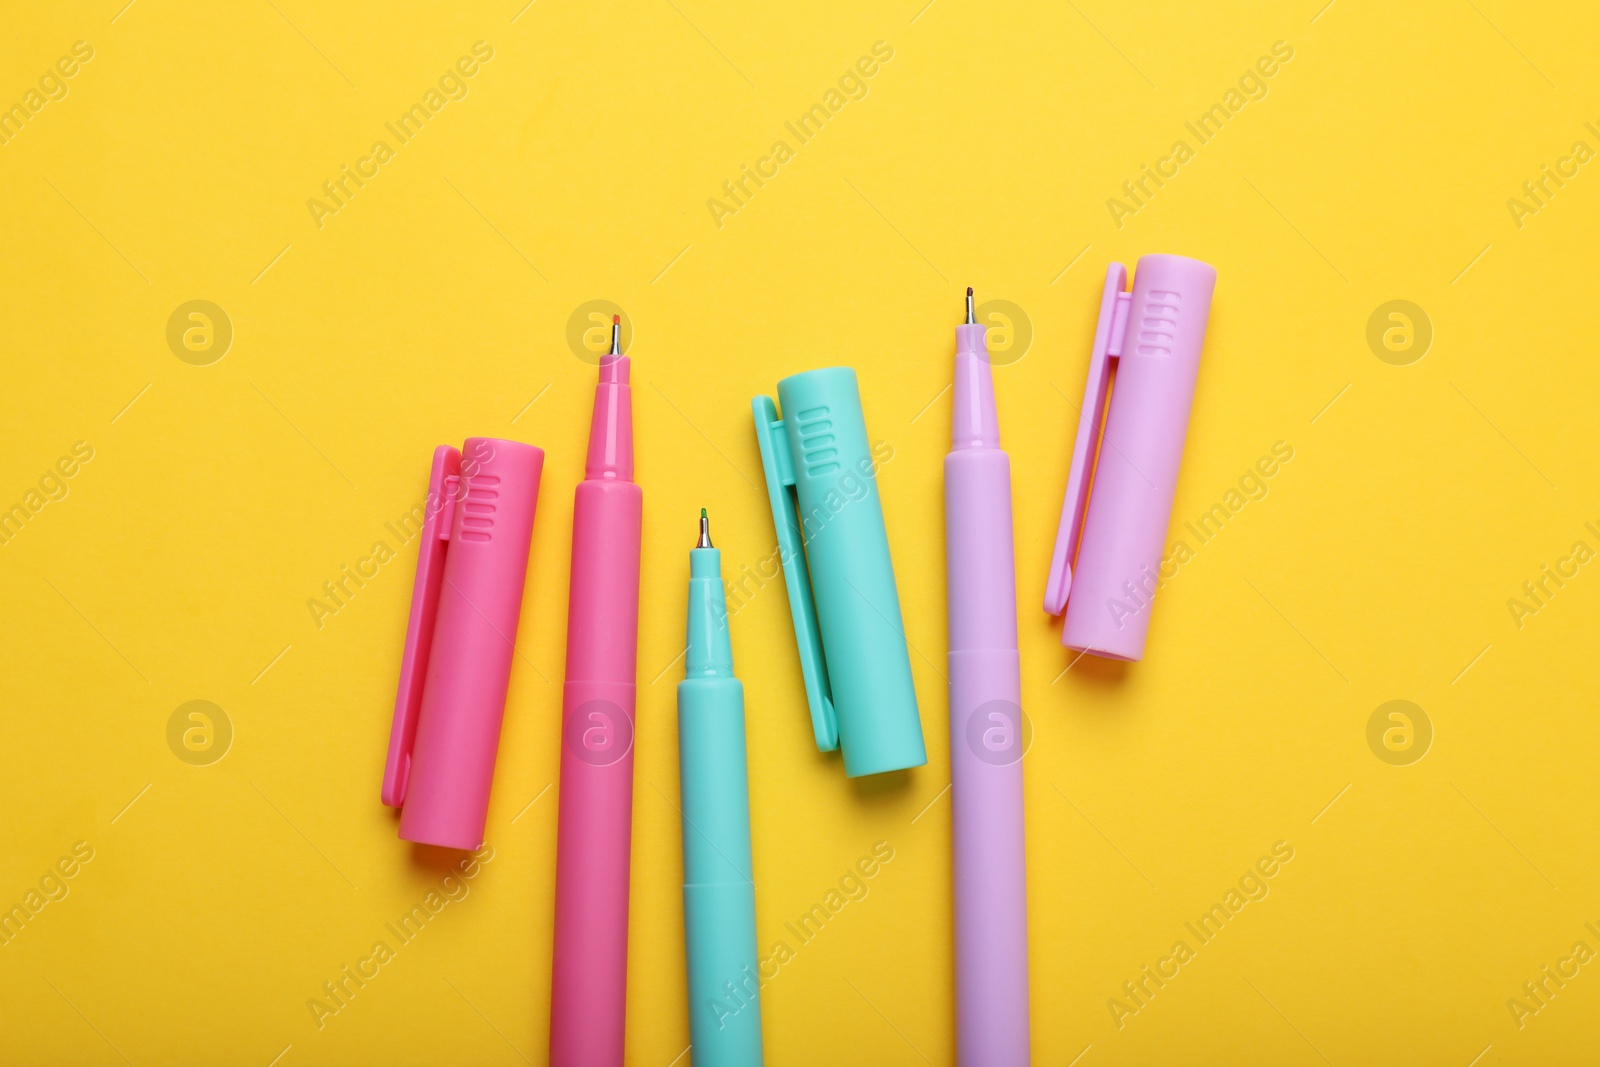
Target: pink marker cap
pixel 472 561
pixel 1106 568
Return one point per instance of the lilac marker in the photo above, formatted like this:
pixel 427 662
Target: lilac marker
pixel 986 725
pixel 1107 563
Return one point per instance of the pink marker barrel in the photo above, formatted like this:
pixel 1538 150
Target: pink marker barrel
pixel 588 995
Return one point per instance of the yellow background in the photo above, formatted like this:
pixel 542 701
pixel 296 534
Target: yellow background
pixel 434 306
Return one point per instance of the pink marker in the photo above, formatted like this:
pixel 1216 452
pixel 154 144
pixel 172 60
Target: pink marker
pixel 588 992
pixel 986 724
pixel 472 560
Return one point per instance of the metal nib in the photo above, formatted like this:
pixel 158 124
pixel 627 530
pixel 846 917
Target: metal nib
pixel 972 320
pixel 705 531
pixel 616 335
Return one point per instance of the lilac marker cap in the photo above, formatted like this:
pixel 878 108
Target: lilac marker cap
pixel 1107 562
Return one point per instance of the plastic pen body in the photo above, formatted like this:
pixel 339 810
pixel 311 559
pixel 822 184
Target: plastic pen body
pixel 588 994
pixel 719 904
pixel 986 728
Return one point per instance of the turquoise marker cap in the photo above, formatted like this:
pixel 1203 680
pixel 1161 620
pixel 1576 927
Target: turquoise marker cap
pixel 822 484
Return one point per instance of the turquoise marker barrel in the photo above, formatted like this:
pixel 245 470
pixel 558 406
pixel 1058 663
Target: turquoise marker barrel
pixel 719 894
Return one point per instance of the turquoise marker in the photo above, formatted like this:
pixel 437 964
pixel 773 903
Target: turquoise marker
pixel 719 892
pixel 822 483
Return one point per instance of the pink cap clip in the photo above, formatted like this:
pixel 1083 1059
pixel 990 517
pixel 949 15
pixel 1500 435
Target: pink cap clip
pixel 1156 333
pixel 471 566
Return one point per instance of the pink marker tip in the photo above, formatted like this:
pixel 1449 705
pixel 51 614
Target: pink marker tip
pixel 611 429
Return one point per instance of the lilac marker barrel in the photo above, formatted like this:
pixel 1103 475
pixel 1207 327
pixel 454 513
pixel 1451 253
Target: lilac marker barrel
pixel 986 726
